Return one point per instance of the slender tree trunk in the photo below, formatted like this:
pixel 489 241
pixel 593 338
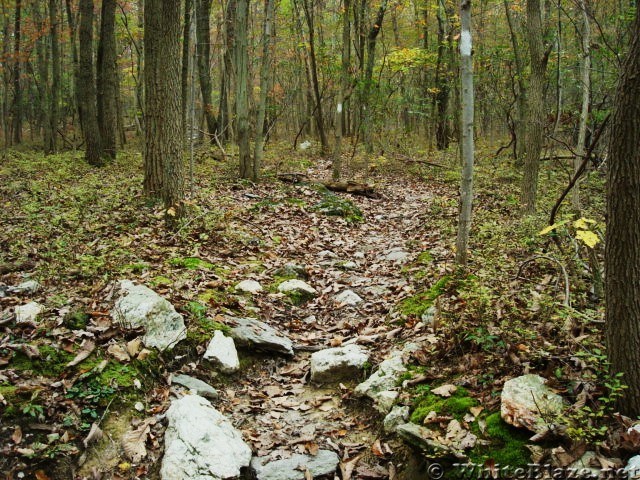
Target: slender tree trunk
pixel 622 256
pixel 75 57
pixel 107 79
pixel 42 84
pixel 226 76
pixel 265 74
pixel 17 88
pixel 6 80
pixel 521 94
pixel 467 145
pixel 87 88
pixel 535 107
pixel 54 98
pixel 344 85
pixel 441 99
pixel 585 69
pixel 242 87
pixel 203 47
pixel 163 164
pixel 186 47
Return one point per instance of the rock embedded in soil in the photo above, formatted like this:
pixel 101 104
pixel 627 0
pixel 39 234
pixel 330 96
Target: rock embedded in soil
pixel 293 468
pixel 339 363
pixel 382 384
pixel 196 385
pixel 249 332
pixel 632 469
pixel 396 417
pixel 249 286
pixel 221 351
pixel 348 297
pixel 422 438
pixel 398 255
pixel 528 402
pixel 201 443
pixel 139 306
pixel 29 286
pixel 28 313
pixel 295 285
pixel 292 270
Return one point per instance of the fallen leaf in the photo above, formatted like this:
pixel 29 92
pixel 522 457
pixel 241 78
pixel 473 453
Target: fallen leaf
pixel 347 466
pixel 17 435
pixel 94 435
pixel 133 442
pixel 86 348
pixel 475 411
pixel 119 352
pixel 133 347
pixel 376 448
pixel 40 475
pixel 445 390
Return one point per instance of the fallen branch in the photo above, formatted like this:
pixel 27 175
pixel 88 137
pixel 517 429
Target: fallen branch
pixel 293 177
pixel 353 188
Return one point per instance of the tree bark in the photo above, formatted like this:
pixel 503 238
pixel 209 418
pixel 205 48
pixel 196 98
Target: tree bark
pixel 521 94
pixel 203 48
pixel 336 166
pixel 54 98
pixel 186 47
pixel 242 93
pixel 163 164
pixel 107 79
pixel 87 88
pixel 226 76
pixel 17 88
pixel 622 256
pixel 441 98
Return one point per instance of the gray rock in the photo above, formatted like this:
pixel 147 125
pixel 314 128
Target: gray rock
pixel 348 265
pixel 383 401
pixel 632 469
pixel 324 463
pixel 200 443
pixel 527 402
pixel 252 332
pixel 28 313
pixel 381 385
pixel 348 297
pixel 398 255
pixel 295 285
pixel 29 286
pixel 583 466
pixel 422 438
pixel 396 417
pixel 249 286
pixel 198 386
pixel 292 270
pixel 139 306
pixel 222 352
pixel 336 364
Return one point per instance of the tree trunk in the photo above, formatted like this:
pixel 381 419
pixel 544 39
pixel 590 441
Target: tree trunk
pixel 441 99
pixel 54 98
pixel 17 89
pixel 186 47
pixel 226 76
pixel 467 146
pixel 265 75
pixel 107 79
pixel 203 48
pixel 163 165
pixel 42 84
pixel 521 94
pixel 535 107
pixel 242 93
pixel 6 80
pixel 87 88
pixel 622 256
pixel 336 166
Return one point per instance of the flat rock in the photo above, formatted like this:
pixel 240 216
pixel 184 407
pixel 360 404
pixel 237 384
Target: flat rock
pixel 528 402
pixel 198 386
pixel 396 417
pixel 222 352
pixel 139 306
pixel 421 437
pixel 28 313
pixel 324 463
pixel 336 364
pixel 296 285
pixel 200 443
pixel 398 255
pixel 250 332
pixel 29 286
pixel 632 469
pixel 249 286
pixel 348 297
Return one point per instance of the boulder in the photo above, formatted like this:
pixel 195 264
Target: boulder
pixel 528 402
pixel 381 385
pixel 298 286
pixel 293 468
pixel 28 313
pixel 250 332
pixel 198 386
pixel 396 417
pixel 249 286
pixel 221 351
pixel 139 306
pixel 200 443
pixel 340 363
pixel 348 297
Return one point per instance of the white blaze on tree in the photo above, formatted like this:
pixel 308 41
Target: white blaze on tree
pixel 467 147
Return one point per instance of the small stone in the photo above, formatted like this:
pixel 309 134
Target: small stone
pixel 296 285
pixel 583 466
pixel 348 297
pixel 396 417
pixel 384 401
pixel 293 468
pixel 422 437
pixel 306 145
pixel 198 386
pixel 29 286
pixel 139 406
pixel 249 286
pixel 348 265
pixel 28 313
pixel 340 363
pixel 359 255
pixel 222 352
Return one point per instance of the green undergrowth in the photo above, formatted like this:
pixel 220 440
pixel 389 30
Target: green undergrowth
pixel 334 205
pixel 419 303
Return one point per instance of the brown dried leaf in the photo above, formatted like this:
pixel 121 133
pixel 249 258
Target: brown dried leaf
pixel 86 348
pixel 134 442
pixel 119 352
pixel 445 390
pixel 16 437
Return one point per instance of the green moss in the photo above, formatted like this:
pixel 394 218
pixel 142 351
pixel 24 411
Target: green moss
pixel 418 304
pixel 117 375
pixel 507 447
pixel 76 320
pixel 191 263
pixel 212 296
pixel 333 205
pixel 457 405
pixel 202 330
pixel 52 361
pixel 425 258
pixel 160 280
pixel 9 392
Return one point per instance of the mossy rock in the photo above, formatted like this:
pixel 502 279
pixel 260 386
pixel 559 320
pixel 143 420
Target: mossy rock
pixel 76 320
pixel 418 304
pixel 457 405
pixel 508 445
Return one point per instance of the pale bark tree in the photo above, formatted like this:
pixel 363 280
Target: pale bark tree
pixel 467 144
pixel 163 164
pixel 622 256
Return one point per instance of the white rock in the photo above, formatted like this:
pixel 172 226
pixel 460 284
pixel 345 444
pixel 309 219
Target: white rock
pixel 29 286
pixel 348 297
pixel 139 306
pixel 385 400
pixel 632 469
pixel 222 352
pixel 527 402
pixel 397 255
pixel 348 265
pixel 249 286
pixel 196 385
pixel 293 468
pixel 296 285
pixel 381 385
pixel 28 313
pixel 306 145
pixel 200 443
pixel 359 255
pixel 254 333
pixel 396 417
pixel 340 363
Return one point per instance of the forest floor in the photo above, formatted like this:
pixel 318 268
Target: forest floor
pixel 78 230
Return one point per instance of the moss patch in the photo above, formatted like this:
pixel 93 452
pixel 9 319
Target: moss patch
pixel 457 405
pixel 508 444
pixel 52 361
pixel 418 304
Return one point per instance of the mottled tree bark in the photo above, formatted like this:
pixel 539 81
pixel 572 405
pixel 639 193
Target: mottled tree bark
pixel 107 79
pixel 54 98
pixel 242 93
pixel 622 256
pixel 17 88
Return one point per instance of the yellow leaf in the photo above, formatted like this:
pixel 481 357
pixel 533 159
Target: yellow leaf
pixel 589 238
pixel 171 211
pixel 550 228
pixel 583 223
